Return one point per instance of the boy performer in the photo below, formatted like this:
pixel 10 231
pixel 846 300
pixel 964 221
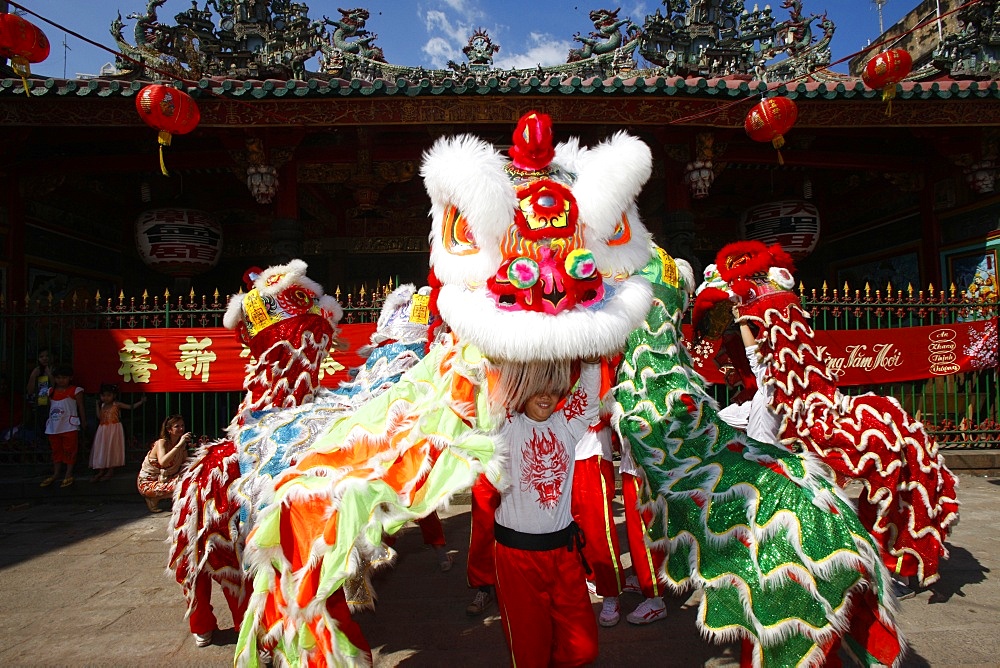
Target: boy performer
pixel 540 574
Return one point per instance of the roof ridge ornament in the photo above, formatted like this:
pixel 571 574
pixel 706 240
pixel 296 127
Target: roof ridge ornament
pixel 719 38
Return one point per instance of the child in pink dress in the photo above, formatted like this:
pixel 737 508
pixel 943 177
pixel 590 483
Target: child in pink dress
pixel 108 451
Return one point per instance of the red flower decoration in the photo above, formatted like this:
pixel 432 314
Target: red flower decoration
pixel 296 299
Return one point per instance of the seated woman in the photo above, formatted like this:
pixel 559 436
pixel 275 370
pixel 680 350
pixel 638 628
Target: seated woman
pixel 161 466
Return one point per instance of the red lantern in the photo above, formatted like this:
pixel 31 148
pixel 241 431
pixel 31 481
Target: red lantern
pixel 886 70
pixel 23 43
pixel 770 119
pixel 168 110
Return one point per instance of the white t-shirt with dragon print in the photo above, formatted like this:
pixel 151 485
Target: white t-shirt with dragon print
pixel 540 457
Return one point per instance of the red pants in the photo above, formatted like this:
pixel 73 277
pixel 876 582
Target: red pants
pixel 337 606
pixel 645 562
pixel 64 447
pixel 480 570
pixel 431 529
pixel 202 619
pixel 545 607
pixel 593 491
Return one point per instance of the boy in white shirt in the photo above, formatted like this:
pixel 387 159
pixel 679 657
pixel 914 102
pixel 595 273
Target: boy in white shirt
pixel 541 580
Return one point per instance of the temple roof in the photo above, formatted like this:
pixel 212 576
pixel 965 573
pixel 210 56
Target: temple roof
pixel 358 88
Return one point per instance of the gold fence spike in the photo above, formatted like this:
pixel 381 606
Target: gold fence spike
pixel 166 293
pixel 846 288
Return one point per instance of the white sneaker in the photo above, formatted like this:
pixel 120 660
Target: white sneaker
pixel 203 639
pixel 650 610
pixel 632 585
pixel 610 612
pixel 591 587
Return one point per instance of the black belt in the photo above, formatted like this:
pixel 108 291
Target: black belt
pixel 571 538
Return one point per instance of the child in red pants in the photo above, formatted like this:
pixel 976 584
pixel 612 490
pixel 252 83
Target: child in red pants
pixel 540 574
pixel 66 418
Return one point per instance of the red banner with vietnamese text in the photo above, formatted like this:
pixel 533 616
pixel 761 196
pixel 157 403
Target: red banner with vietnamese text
pixel 873 356
pixel 213 360
pixel 201 359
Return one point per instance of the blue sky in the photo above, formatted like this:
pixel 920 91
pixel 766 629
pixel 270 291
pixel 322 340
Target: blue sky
pixel 428 33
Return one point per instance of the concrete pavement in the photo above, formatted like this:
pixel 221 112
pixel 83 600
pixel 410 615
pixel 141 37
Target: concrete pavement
pixel 83 584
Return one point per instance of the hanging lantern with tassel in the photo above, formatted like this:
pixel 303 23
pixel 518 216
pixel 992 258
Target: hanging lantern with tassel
pixel 769 120
pixel 169 110
pixel 886 70
pixel 23 43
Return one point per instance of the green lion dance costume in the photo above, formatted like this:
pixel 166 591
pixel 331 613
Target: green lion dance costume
pixel 543 257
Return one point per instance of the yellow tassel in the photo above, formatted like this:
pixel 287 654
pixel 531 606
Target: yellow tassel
pixel 164 139
pixel 777 143
pixel 21 67
pixel 887 95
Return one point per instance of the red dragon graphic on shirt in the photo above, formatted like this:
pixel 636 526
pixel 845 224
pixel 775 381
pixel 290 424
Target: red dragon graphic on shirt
pixel 575 404
pixel 544 465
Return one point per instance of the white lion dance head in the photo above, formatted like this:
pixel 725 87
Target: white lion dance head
pixel 535 255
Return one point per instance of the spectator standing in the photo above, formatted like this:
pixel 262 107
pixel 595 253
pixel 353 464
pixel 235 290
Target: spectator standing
pixel 66 418
pixel 108 451
pixel 37 393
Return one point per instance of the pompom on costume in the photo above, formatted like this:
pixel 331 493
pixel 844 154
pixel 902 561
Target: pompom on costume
pixel 909 498
pixel 543 258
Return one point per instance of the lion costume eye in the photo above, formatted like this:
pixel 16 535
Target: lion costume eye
pixel 623 232
pixel 456 235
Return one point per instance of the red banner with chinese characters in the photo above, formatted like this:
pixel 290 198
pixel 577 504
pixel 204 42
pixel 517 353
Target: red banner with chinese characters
pixel 872 356
pixel 202 359
pixel 213 360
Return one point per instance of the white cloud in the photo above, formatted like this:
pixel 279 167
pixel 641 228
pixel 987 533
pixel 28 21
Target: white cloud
pixel 466 9
pixel 439 51
pixel 542 49
pixel 450 23
pixel 638 13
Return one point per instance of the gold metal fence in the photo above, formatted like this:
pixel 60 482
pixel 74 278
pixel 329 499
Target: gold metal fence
pixel 30 326
pixel 959 410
